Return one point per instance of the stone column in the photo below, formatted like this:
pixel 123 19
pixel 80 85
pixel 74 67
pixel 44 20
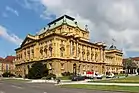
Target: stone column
pixel 95 55
pixel 70 48
pixel 100 55
pixel 77 49
pixel 103 55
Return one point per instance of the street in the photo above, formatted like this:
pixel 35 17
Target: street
pixel 20 87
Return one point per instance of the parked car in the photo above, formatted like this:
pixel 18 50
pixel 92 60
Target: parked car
pixel 98 76
pixel 110 76
pixel 77 78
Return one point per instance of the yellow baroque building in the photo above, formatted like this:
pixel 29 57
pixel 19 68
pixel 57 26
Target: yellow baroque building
pixel 64 46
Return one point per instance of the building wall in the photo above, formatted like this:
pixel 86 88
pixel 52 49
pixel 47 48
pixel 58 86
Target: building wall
pixel 62 46
pixel 8 67
pixel 114 61
pixel 0 68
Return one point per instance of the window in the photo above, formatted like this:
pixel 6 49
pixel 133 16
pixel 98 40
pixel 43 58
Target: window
pixel 45 50
pixel 62 49
pixel 50 49
pixel 73 48
pixel 83 53
pixel 32 51
pixel 62 65
pixel 96 55
pixel 41 50
pixel 7 67
pixel 28 52
pixel 92 54
pixel 88 53
pixel 83 34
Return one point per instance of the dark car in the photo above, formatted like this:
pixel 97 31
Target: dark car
pixel 77 78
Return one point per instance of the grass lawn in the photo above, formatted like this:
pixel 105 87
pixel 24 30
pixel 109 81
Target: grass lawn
pixel 64 78
pixel 131 79
pixel 106 88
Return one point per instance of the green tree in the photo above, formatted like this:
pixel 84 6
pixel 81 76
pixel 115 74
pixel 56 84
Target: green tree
pixel 37 71
pixel 129 65
pixel 138 71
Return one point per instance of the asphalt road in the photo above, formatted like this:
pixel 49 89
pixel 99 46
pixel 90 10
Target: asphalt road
pixel 20 87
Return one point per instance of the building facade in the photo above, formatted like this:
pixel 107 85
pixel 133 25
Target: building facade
pixel 1 59
pixel 64 46
pixel 114 60
pixel 7 64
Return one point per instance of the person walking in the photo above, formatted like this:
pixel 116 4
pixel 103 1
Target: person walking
pixel 58 81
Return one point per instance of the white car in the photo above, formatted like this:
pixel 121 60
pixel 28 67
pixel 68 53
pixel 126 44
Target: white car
pixel 110 76
pixel 98 76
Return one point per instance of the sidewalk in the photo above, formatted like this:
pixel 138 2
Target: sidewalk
pixel 84 82
pixel 46 81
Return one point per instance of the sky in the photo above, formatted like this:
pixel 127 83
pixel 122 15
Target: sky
pixel 110 21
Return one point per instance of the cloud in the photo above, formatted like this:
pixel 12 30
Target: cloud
pixel 31 5
pixel 46 15
pixel 107 19
pixel 12 10
pixel 10 37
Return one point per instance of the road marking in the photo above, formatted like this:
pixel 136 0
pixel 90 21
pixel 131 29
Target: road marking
pixel 16 87
pixel 44 92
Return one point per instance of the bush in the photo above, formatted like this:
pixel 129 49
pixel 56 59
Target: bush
pixel 37 71
pixel 66 74
pixel 26 76
pixel 19 76
pixel 8 74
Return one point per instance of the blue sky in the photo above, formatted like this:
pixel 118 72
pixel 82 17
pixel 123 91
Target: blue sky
pixel 116 19
pixel 19 21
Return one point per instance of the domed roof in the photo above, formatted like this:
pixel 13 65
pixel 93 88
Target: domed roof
pixel 112 47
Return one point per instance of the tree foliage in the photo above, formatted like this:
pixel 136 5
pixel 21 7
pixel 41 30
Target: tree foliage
pixel 8 74
pixel 129 64
pixel 138 71
pixel 37 71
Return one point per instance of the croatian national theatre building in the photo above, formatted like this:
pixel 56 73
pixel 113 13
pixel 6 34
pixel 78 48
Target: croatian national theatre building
pixel 64 46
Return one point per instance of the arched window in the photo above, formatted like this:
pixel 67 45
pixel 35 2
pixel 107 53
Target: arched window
pixel 92 54
pixel 88 53
pixel 32 51
pixel 28 53
pixel 73 49
pixel 45 50
pixel 62 49
pixel 50 49
pixel 41 50
pixel 83 53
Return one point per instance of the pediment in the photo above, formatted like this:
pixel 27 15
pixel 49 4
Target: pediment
pixel 27 40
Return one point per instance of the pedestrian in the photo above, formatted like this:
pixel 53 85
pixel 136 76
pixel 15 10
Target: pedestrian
pixel 58 81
